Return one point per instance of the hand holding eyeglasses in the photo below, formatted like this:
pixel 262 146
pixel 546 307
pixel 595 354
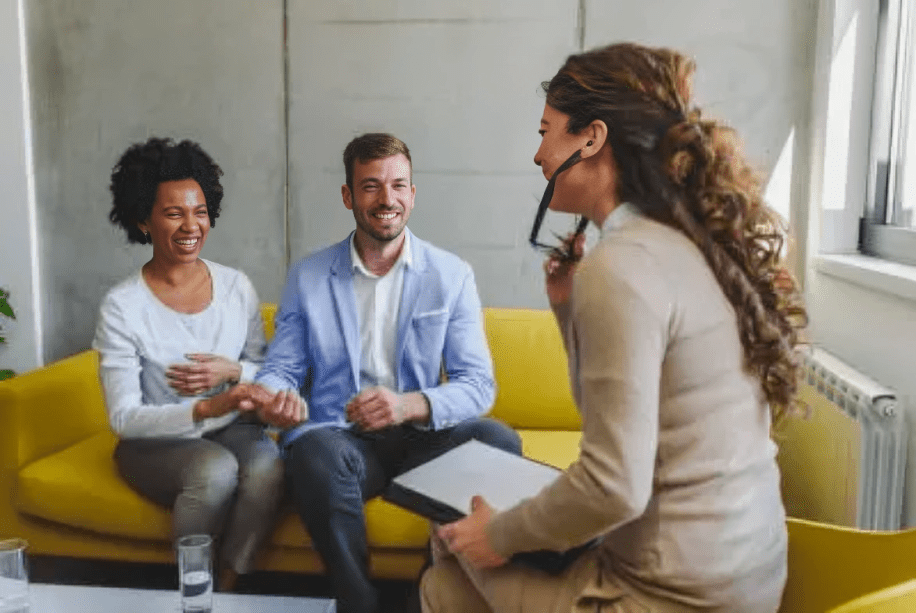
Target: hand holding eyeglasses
pixel 559 268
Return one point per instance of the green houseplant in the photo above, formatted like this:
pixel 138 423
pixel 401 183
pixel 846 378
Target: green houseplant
pixel 5 311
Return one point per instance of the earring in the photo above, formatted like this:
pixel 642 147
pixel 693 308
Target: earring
pixel 588 144
pixel 148 237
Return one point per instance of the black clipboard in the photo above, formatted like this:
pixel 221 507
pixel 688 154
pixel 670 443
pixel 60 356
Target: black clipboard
pixel 436 489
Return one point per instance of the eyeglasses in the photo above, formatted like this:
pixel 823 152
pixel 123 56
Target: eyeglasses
pixel 564 251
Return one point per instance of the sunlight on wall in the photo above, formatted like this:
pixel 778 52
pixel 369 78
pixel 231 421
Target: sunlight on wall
pixel 778 192
pixel 839 115
pixel 30 182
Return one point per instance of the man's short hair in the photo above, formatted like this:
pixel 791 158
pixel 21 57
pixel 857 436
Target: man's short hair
pixel 373 146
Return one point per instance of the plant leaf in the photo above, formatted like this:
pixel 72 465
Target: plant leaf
pixel 6 374
pixel 6 309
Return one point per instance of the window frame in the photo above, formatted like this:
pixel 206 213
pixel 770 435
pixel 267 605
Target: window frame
pixel 880 232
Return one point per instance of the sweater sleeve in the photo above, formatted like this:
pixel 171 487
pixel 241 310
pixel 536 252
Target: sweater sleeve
pixel 252 357
pixel 619 328
pixel 120 376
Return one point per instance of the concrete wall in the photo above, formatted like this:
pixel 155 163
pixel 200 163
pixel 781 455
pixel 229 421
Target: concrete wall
pixel 459 82
pixel 108 74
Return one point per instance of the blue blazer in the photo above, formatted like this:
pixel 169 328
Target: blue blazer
pixel 316 345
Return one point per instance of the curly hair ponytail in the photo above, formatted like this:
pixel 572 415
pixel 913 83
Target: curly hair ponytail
pixel 690 173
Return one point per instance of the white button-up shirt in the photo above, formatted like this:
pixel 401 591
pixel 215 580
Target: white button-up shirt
pixel 378 300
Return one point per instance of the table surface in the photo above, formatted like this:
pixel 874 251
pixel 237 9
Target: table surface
pixel 49 598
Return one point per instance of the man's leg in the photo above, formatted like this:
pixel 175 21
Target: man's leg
pixel 331 473
pixel 423 446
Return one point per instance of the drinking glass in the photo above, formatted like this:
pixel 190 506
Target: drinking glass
pixel 195 573
pixel 14 579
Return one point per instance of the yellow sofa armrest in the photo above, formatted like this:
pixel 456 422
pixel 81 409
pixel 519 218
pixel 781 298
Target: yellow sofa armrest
pixel 51 408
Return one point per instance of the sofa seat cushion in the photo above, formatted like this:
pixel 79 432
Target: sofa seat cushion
pixel 558 448
pixel 80 487
pixel 387 526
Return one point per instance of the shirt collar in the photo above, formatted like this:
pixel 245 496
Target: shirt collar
pixel 405 258
pixel 620 216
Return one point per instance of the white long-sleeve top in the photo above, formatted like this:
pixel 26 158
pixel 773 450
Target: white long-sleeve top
pixel 139 337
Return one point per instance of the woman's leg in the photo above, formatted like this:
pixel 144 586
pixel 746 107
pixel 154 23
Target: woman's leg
pixel 445 587
pixel 260 490
pixel 195 477
pixel 451 584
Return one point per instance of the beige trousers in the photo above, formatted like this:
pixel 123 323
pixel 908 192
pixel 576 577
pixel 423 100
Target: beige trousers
pixel 453 585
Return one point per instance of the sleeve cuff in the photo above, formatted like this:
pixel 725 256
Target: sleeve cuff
pixel 249 371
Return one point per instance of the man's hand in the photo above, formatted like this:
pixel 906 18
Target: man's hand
pixel 379 407
pixel 468 537
pixel 284 409
pixel 203 372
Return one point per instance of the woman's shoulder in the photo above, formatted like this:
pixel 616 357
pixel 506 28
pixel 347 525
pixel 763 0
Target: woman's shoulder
pixel 126 291
pixel 228 280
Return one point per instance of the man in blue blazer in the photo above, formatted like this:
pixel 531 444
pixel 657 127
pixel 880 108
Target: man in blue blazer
pixel 379 341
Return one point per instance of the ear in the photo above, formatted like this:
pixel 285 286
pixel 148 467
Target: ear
pixel 596 134
pixel 143 227
pixel 347 196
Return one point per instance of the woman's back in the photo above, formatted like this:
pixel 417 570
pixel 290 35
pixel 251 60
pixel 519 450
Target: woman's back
pixel 714 526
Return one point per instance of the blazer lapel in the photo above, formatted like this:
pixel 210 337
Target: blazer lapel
pixel 413 286
pixel 345 303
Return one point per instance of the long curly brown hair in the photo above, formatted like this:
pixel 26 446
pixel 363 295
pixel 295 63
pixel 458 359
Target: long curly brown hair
pixel 690 173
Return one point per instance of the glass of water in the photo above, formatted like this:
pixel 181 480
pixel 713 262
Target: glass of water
pixel 14 578
pixel 195 573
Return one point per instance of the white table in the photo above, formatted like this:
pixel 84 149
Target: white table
pixel 48 598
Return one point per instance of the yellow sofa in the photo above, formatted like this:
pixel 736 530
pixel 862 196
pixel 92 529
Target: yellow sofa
pixel 59 488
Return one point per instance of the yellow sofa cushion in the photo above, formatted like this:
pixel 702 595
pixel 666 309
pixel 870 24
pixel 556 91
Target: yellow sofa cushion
pixel 80 487
pixel 529 363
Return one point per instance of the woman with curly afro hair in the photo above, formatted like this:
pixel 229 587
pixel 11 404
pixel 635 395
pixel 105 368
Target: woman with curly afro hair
pixel 681 326
pixel 178 340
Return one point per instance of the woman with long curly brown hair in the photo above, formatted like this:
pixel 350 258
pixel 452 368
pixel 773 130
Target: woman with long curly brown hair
pixel 681 328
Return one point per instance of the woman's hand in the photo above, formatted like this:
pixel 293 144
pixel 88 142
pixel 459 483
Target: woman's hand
pixel 558 274
pixel 203 372
pixel 239 398
pixel 468 536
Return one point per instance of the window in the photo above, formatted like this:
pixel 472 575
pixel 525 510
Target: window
pixel 889 228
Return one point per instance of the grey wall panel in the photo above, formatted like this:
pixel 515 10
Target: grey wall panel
pixel 754 60
pixel 459 83
pixel 107 74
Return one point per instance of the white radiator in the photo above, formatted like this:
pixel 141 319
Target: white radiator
pixel 844 462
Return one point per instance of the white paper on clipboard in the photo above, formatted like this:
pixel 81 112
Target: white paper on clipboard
pixel 474 468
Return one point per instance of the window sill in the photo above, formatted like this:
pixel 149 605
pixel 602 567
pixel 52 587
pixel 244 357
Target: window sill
pixel 870 272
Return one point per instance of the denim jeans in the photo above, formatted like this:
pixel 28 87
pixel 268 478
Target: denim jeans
pixel 333 471
pixel 227 484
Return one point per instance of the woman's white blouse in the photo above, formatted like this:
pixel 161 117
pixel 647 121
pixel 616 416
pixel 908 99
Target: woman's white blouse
pixel 139 337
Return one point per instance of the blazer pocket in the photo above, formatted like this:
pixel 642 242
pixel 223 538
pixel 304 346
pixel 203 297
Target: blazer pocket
pixel 437 315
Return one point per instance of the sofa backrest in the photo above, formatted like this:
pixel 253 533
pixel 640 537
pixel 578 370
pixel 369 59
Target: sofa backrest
pixel 529 363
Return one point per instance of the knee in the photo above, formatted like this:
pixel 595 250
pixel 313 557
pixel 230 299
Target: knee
pixel 262 476
pixel 493 433
pixel 318 461
pixel 443 588
pixel 212 480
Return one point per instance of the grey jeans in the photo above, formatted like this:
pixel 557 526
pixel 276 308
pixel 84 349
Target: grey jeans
pixel 227 484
